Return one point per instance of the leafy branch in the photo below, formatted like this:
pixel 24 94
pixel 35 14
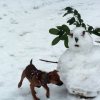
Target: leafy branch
pixel 63 31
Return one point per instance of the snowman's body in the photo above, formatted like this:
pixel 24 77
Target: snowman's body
pixel 79 66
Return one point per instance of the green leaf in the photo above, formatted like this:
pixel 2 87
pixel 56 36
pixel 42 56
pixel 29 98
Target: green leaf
pixel 90 28
pixel 66 28
pixel 53 31
pixel 68 21
pixel 71 21
pixel 66 42
pixel 65 14
pixel 55 41
pixel 75 12
pixel 98 29
pixel 83 25
pixel 90 32
pixel 63 37
pixel 68 8
pixel 96 33
pixel 79 16
pixel 77 24
pixel 59 27
pixel 82 20
pixel 61 32
pixel 68 12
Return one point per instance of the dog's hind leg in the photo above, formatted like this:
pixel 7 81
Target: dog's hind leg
pixel 22 77
pixel 33 92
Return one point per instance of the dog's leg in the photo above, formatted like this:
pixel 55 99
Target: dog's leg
pixel 22 77
pixel 33 92
pixel 47 91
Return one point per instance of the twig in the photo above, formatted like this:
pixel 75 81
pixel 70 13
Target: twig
pixel 48 61
pixel 97 41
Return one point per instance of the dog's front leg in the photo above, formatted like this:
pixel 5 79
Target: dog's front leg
pixel 33 92
pixel 47 91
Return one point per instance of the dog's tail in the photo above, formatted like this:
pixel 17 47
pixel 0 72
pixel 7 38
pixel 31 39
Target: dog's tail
pixel 31 62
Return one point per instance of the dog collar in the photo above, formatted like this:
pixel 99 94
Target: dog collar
pixel 46 75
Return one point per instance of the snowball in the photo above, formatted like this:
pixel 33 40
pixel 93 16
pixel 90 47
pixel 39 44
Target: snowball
pixel 84 42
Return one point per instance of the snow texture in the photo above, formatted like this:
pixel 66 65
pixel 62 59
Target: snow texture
pixel 24 34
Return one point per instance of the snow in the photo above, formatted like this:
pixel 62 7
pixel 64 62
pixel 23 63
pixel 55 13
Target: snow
pixel 24 27
pixel 84 41
pixel 79 68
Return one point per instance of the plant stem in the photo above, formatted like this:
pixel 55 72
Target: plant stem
pixel 48 61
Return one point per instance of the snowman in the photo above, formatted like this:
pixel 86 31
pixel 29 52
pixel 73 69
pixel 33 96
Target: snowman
pixel 79 65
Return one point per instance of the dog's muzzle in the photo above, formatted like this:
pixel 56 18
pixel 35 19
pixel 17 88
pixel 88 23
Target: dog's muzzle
pixel 60 83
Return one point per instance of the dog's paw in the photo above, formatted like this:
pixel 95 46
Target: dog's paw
pixel 37 99
pixel 47 96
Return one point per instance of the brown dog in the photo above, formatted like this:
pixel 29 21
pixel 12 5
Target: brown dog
pixel 39 78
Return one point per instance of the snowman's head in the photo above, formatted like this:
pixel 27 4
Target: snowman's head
pixel 79 40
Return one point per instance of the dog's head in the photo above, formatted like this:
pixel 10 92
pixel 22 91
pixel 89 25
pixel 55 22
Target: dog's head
pixel 54 78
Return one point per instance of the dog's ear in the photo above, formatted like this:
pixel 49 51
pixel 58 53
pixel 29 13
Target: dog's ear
pixel 56 71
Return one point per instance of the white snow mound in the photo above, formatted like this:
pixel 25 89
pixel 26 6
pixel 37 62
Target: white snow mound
pixel 79 68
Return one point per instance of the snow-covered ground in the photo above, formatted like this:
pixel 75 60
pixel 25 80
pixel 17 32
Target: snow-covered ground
pixel 24 34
